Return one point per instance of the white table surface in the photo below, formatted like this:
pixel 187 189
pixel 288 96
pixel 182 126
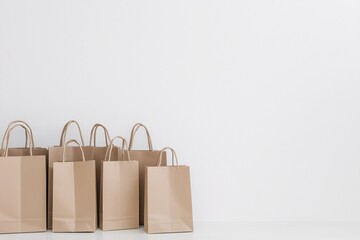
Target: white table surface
pixel 209 231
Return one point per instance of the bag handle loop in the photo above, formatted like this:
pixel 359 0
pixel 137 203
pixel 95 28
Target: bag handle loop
pixel 173 157
pixel 22 124
pixel 94 131
pixel 133 132
pixel 77 143
pixel 8 137
pixel 111 145
pixel 64 132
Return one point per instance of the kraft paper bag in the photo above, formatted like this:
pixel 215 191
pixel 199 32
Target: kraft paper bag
pixel 119 192
pixel 145 158
pixel 99 153
pixel 168 206
pixel 74 194
pixel 74 153
pixel 22 190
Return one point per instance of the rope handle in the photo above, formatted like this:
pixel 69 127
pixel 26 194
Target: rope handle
pixel 77 143
pixel 8 137
pixel 111 145
pixel 133 132
pixel 64 132
pixel 173 157
pixel 93 134
pixel 22 124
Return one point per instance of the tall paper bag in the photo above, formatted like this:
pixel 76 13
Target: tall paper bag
pixel 22 190
pixel 74 153
pixel 119 192
pixel 168 204
pixel 99 153
pixel 74 195
pixel 145 158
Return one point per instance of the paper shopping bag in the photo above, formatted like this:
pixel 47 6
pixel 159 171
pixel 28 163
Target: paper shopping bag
pixel 145 158
pixel 99 153
pixel 56 155
pixel 168 206
pixel 22 190
pixel 119 192
pixel 74 194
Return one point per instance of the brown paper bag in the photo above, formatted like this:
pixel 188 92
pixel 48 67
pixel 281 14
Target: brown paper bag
pixel 74 194
pixel 145 158
pixel 22 190
pixel 168 206
pixel 119 192
pixel 99 153
pixel 56 155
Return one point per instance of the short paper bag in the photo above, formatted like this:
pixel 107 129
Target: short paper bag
pixel 74 195
pixel 168 206
pixel 119 192
pixel 22 190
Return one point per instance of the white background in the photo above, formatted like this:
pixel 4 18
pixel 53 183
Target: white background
pixel 261 98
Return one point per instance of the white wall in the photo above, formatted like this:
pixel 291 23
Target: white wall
pixel 261 98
